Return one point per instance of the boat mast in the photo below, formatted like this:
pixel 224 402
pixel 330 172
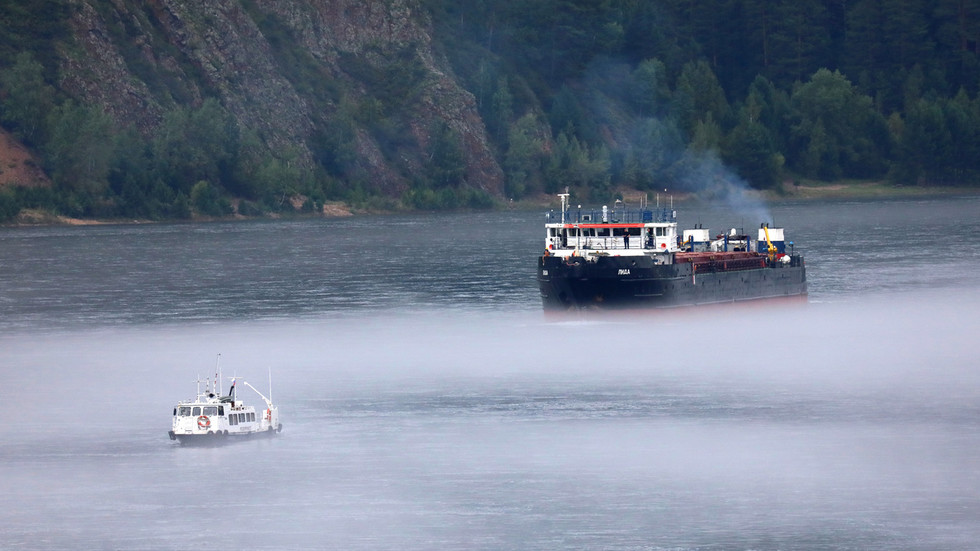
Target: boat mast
pixel 564 204
pixel 217 376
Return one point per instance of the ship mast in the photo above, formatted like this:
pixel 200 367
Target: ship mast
pixel 216 389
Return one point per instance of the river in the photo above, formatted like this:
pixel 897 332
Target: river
pixel 427 403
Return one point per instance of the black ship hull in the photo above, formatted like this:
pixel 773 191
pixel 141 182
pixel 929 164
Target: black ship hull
pixel 637 282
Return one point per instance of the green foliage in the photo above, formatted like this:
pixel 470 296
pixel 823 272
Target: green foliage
pixel 196 144
pixel 750 150
pixel 36 27
pixel 524 160
pixel 27 99
pixel 79 149
pixel 280 179
pixel 206 200
pixel 501 111
pixel 446 165
pixel 249 208
pixel 335 144
pixel 654 148
pixel 573 165
pixel 423 198
pixel 650 93
pixel 837 132
pixel 9 205
pixel 699 96
pixel 938 142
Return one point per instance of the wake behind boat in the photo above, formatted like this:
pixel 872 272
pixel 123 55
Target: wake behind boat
pixel 635 259
pixel 210 419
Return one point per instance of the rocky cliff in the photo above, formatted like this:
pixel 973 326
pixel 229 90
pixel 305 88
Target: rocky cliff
pixel 342 78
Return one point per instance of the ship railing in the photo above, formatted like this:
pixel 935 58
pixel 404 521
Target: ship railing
pixel 596 243
pixel 616 216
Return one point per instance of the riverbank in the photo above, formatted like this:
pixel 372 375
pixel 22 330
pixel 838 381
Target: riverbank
pixel 859 189
pixel 788 191
pixel 800 190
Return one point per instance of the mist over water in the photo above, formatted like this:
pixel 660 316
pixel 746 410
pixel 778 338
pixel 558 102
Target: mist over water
pixel 459 418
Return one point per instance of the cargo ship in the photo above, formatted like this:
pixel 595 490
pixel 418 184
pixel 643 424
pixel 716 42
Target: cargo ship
pixel 620 258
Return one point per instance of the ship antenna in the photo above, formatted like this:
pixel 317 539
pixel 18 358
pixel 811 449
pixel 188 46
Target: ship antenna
pixel 270 384
pixel 564 204
pixel 217 376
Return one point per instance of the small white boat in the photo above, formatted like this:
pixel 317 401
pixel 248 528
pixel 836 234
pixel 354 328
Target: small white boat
pixel 210 419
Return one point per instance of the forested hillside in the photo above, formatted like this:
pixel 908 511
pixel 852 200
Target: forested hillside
pixel 171 108
pixel 643 94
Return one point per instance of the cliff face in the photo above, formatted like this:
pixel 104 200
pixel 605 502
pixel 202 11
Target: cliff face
pixel 297 72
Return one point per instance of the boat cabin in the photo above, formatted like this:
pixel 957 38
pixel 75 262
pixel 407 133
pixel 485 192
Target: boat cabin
pixel 618 230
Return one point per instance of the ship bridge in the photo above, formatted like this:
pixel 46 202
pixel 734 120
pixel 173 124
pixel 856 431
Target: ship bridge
pixel 619 230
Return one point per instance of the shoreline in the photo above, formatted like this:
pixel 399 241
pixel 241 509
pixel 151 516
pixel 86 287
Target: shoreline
pixel 853 189
pixel 788 191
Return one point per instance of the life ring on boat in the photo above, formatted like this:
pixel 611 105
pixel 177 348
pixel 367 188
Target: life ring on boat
pixel 203 422
pixel 268 414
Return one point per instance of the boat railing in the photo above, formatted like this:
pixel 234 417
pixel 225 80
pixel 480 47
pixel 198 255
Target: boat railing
pixel 617 216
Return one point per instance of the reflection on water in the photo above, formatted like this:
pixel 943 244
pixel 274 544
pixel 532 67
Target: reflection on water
pixel 460 419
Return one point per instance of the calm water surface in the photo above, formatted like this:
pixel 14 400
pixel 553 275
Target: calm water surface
pixel 428 405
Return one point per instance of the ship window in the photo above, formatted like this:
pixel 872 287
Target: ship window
pixel 221 410
pixel 233 419
pixel 196 411
pixel 211 410
pixel 251 416
pixel 184 411
pixel 241 417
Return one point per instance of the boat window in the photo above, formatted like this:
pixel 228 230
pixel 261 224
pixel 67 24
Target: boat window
pixel 196 411
pixel 251 416
pixel 211 410
pixel 221 410
pixel 241 417
pixel 184 411
pixel 232 419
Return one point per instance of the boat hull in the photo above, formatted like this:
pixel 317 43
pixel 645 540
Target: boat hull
pixel 638 282
pixel 221 438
